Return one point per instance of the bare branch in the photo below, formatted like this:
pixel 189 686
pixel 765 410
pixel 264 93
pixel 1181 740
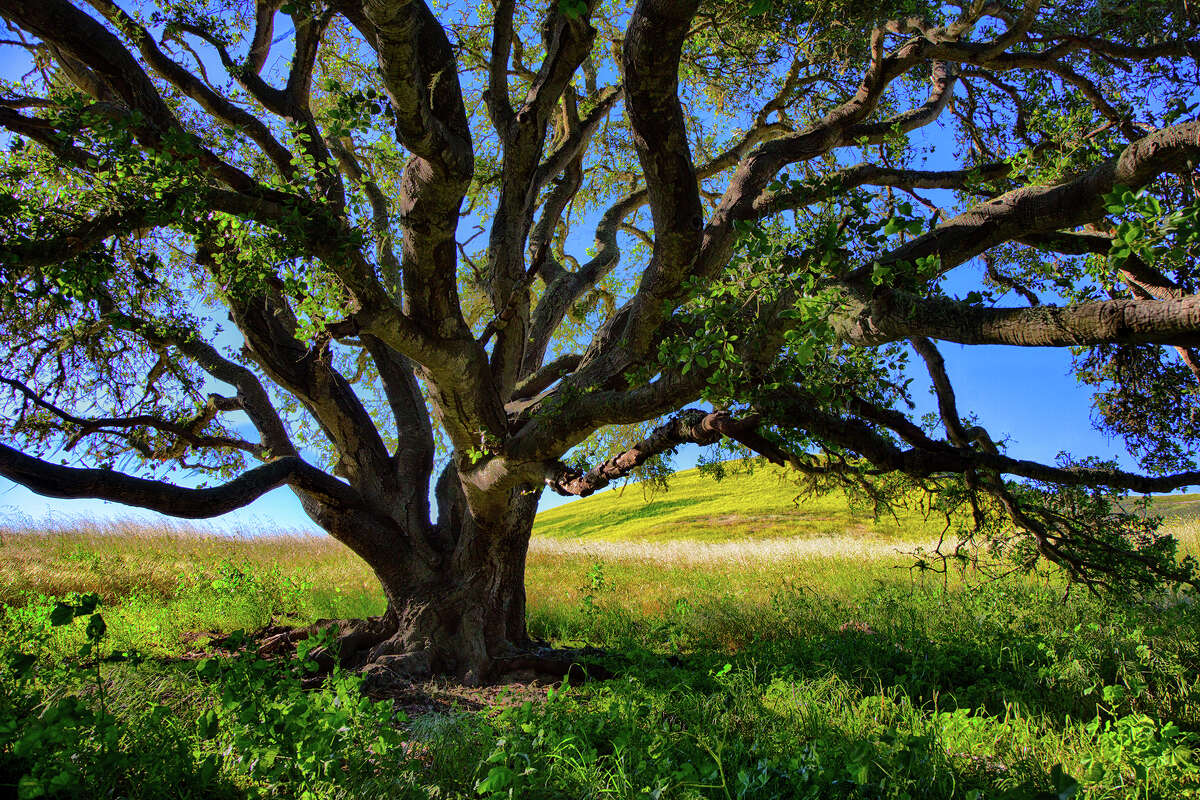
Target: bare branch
pixel 252 396
pixel 651 66
pixel 193 87
pixel 547 375
pixel 264 29
pixel 52 480
pixel 189 432
pixel 795 408
pixel 873 175
pixel 422 82
pixel 943 76
pixel 499 106
pixel 890 315
pixel 690 426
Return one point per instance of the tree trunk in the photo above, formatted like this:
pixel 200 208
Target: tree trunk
pixel 461 613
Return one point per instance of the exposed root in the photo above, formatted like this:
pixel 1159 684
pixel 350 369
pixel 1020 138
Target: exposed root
pixel 572 666
pixel 390 663
pixel 354 640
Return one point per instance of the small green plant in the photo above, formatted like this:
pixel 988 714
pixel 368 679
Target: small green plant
pixel 594 584
pixel 59 735
pixel 267 728
pixel 1134 754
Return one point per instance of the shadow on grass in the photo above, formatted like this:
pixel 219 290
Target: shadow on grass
pixel 919 694
pixel 616 518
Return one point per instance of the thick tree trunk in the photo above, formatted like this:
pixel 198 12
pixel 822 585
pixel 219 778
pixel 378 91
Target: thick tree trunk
pixel 461 613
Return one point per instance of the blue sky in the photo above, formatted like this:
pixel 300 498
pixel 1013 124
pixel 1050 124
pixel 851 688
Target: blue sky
pixel 1026 394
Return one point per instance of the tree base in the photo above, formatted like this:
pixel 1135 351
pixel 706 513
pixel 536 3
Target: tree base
pixel 379 650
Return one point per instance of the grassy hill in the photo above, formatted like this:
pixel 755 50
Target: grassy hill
pixel 763 505
pixel 1177 506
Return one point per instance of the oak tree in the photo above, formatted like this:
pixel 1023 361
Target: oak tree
pixel 418 263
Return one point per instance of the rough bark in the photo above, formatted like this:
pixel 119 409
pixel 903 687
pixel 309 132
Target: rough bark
pixel 461 612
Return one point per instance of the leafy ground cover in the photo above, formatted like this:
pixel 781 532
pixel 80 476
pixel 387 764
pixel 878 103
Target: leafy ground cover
pixel 813 666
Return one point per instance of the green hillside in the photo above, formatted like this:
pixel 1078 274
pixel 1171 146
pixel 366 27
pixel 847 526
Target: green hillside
pixel 696 506
pixel 1176 506
pixel 763 505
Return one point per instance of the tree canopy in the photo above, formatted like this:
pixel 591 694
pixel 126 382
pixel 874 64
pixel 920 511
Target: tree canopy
pixel 340 245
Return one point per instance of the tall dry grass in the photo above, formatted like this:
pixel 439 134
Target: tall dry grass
pixel 120 558
pixel 746 551
pixel 123 559
pixel 132 563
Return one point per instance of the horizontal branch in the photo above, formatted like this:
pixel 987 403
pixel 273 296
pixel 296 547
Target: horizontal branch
pixel 690 426
pixel 1035 209
pixel 53 480
pixel 890 315
pixel 191 432
pixel 807 193
pixel 797 409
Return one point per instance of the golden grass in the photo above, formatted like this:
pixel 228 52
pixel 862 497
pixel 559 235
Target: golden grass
pixel 749 552
pixel 130 563
pixel 123 557
pixel 1186 532
pixel 647 577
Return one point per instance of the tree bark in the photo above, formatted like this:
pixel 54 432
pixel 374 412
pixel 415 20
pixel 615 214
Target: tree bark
pixel 461 613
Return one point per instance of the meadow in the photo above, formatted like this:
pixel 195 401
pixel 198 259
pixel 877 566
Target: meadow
pixel 759 648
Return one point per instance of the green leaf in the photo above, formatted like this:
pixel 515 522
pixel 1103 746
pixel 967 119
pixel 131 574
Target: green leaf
pixel 21 663
pixel 572 9
pixel 207 724
pixel 29 787
pixel 498 779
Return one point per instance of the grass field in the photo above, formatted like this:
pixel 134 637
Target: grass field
pixel 765 504
pixel 760 651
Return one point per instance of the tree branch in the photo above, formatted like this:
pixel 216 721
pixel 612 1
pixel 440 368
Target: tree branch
pixel 421 76
pixel 690 426
pixel 650 60
pixel 800 195
pixel 545 376
pixel 52 480
pixel 498 103
pixel 189 432
pixel 890 315
pixel 1033 209
pixel 189 84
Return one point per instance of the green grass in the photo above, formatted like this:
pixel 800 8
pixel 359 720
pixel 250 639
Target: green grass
pixel 809 665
